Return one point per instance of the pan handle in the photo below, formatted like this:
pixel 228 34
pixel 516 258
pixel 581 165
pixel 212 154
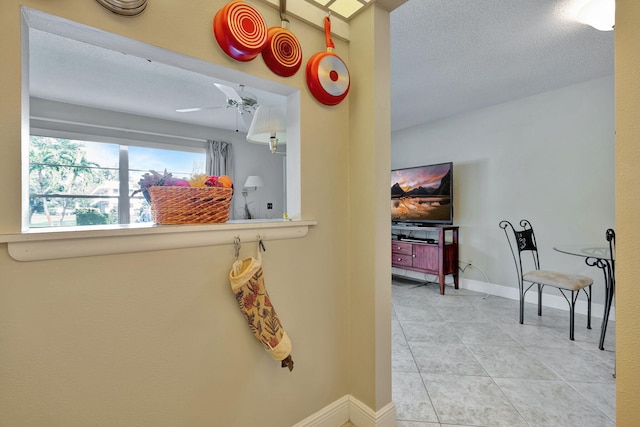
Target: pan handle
pixel 327 34
pixel 283 14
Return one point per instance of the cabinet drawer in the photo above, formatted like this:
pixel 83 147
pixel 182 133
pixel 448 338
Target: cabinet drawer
pixel 401 260
pixel 401 248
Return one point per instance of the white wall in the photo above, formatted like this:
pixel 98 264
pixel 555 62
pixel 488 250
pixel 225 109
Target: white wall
pixel 548 158
pixel 254 159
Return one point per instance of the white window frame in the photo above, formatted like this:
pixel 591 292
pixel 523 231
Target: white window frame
pixel 123 168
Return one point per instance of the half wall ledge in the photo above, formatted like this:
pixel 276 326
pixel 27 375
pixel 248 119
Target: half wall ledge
pixel 74 242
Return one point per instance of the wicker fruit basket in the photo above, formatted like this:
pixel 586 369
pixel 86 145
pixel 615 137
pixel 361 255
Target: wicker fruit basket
pixel 189 205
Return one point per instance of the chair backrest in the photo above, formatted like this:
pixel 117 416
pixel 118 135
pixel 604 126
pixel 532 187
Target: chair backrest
pixel 523 240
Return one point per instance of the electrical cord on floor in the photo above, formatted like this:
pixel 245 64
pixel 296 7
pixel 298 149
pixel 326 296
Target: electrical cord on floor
pixel 462 270
pixel 469 265
pixel 473 267
pixel 426 279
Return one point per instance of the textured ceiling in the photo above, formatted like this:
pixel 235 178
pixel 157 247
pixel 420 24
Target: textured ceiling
pixel 453 56
pixel 448 57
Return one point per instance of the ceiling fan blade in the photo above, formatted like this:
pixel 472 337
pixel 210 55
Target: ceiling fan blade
pixel 194 109
pixel 229 92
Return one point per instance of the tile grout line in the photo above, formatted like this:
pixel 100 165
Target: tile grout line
pixel 417 367
pixel 579 348
pixel 515 408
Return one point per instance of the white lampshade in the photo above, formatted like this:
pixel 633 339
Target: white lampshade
pixel 269 126
pixel 600 14
pixel 253 181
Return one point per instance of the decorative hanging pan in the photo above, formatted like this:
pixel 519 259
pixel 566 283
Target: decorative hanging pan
pixel 240 31
pixel 327 75
pixel 282 53
pixel 124 7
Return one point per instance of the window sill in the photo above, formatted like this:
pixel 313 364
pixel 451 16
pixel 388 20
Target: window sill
pixel 60 243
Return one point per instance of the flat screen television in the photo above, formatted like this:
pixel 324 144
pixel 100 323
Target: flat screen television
pixel 422 195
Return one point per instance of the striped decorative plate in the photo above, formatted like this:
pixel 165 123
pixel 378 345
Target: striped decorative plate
pixel 124 7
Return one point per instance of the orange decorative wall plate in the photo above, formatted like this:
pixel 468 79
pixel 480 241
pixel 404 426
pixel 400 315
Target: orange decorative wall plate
pixel 240 30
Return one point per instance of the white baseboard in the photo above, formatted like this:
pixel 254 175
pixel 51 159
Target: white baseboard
pixel 348 408
pixel 551 301
pixel 548 300
pixel 332 415
pixel 363 416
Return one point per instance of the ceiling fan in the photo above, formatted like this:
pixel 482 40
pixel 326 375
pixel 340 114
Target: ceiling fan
pixel 243 101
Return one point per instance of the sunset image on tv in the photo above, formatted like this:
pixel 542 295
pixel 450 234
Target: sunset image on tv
pixel 422 194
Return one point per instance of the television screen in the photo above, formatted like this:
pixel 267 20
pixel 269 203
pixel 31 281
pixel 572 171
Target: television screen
pixel 423 194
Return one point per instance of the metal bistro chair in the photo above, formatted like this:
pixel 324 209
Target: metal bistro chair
pixel 607 263
pixel 611 238
pixel 524 240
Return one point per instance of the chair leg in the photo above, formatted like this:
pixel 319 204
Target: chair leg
pixel 521 308
pixel 539 300
pixel 588 307
pixel 572 309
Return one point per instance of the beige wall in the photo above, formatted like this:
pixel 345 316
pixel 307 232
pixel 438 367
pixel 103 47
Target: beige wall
pixel 369 291
pixel 156 338
pixel 627 45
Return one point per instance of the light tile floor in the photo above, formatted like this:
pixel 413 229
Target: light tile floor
pixel 462 359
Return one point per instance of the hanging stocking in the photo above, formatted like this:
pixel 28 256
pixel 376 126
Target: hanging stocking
pixel 247 283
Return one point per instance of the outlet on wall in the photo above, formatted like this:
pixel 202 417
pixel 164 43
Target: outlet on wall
pixel 269 205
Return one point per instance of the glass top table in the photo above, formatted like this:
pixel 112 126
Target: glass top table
pixel 597 255
pixel 599 251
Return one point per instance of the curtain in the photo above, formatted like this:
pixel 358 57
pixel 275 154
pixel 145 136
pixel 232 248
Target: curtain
pixel 220 158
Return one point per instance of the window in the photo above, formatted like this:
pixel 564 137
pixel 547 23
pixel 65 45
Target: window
pixel 78 182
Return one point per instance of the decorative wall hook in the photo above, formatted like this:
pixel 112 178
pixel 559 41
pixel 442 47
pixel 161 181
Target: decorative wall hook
pixel 236 246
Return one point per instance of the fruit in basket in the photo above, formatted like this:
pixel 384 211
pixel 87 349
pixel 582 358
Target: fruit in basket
pixel 198 180
pixel 225 181
pixel 212 181
pixel 202 180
